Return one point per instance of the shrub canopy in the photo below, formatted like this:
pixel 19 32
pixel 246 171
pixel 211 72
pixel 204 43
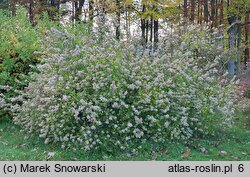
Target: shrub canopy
pixel 93 94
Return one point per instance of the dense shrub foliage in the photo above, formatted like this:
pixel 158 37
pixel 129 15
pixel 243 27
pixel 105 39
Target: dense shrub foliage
pixel 18 41
pixel 92 94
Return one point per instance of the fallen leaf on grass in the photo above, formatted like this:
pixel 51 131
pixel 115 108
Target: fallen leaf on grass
pixel 51 154
pixel 203 150
pixel 154 155
pixel 164 151
pixel 186 153
pixel 35 149
pixel 223 152
pixel 236 158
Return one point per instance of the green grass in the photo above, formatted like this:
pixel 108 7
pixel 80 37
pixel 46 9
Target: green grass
pixel 14 145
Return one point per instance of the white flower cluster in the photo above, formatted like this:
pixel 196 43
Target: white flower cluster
pixel 2 101
pixel 94 95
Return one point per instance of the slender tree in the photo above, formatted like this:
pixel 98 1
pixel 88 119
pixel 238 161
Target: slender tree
pixel 127 24
pixel 13 7
pixel 206 12
pixel 31 11
pixel 192 14
pixel 118 20
pixel 53 10
pixel 91 14
pixel 199 11
pixel 156 33
pixel 79 8
pixel 147 30
pixel 143 25
pixel 185 7
pixel 216 14
pixel 238 45
pixel 151 28
pixel 232 44
pixel 213 12
pixel 221 12
pixel 247 31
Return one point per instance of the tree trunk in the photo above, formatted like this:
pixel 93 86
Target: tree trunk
pixel 91 15
pixel 31 12
pixel 76 9
pixel 143 27
pixel 53 8
pixel 238 46
pixel 43 6
pixel 13 7
pixel 232 44
pixel 128 25
pixel 192 10
pixel 213 12
pixel 221 12
pixel 79 7
pixel 185 9
pixel 247 30
pixel 156 28
pixel 199 12
pixel 151 29
pixel 58 5
pixel 206 13
pixel 147 30
pixel 118 20
pixel 216 14
pixel 156 33
pixel 91 10
pixel 143 30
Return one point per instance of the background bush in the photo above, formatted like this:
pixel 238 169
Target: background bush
pixel 18 41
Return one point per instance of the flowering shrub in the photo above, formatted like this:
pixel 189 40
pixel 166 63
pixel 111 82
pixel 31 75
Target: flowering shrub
pixel 94 95
pixel 195 61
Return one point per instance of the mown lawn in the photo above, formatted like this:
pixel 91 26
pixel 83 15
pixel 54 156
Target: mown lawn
pixel 232 144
